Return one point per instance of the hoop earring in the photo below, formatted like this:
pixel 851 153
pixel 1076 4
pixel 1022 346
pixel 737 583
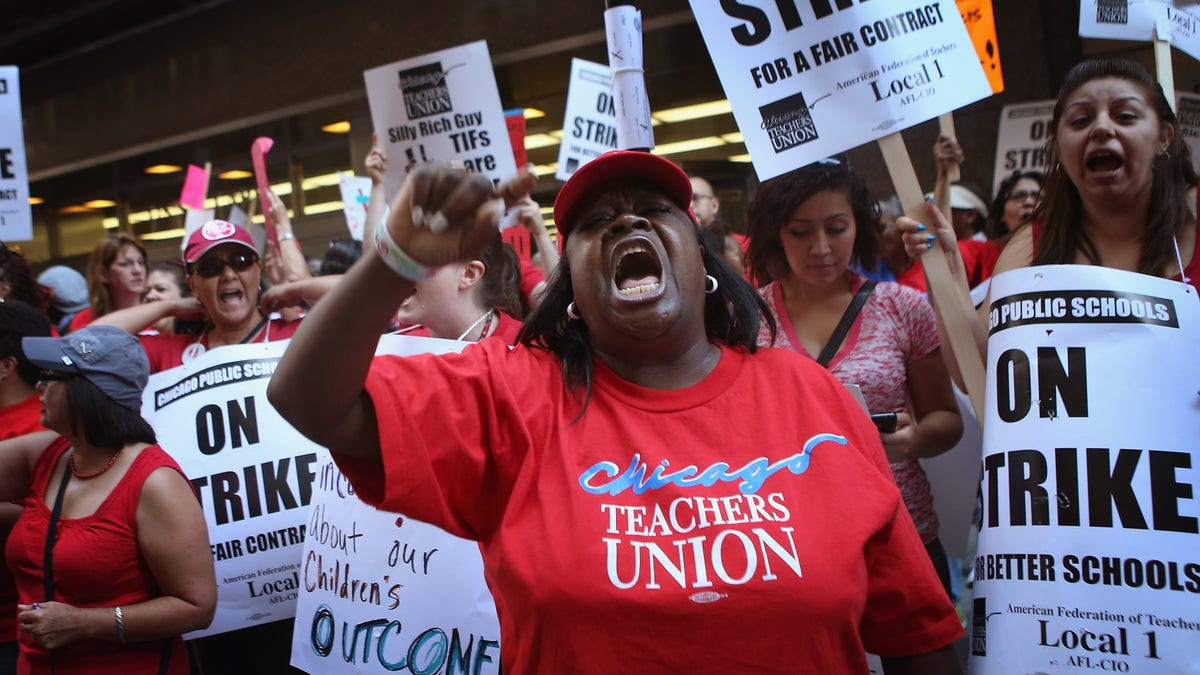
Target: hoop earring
pixel 710 284
pixel 571 313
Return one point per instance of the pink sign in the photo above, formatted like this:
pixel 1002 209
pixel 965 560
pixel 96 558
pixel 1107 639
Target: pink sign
pixel 195 188
pixel 258 157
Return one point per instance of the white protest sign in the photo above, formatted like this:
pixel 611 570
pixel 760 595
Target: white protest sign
pixel 1173 21
pixel 437 107
pixel 589 123
pixel 194 219
pixel 254 474
pixel 807 81
pixel 381 592
pixel 1187 113
pixel 623 28
pixel 16 218
pixel 356 195
pixel 1088 557
pixel 1021 139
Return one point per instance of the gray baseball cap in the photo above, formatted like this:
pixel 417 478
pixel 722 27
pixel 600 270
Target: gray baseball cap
pixel 107 356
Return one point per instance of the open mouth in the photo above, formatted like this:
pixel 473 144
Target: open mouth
pixel 638 271
pixel 1104 162
pixel 230 297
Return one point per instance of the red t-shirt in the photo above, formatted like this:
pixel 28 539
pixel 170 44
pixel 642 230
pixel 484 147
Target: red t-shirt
pixel 649 534
pixel 506 328
pixel 82 318
pixel 979 260
pixel 531 276
pixel 15 420
pixel 97 563
pixel 169 351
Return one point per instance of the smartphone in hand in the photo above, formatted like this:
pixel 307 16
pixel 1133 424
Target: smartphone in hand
pixel 885 422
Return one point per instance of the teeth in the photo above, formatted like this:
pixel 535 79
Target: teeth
pixel 638 290
pixel 632 249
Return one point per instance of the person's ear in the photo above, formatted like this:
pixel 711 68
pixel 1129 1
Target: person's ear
pixel 1167 135
pixel 8 365
pixel 190 279
pixel 471 274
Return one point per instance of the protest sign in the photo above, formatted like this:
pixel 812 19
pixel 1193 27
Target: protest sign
pixel 440 106
pixel 514 121
pixel 381 592
pixel 1187 112
pixel 195 187
pixel 194 219
pixel 258 158
pixel 253 473
pixel 981 24
pixel 1021 139
pixel 356 196
pixel 590 119
pixel 623 31
pixel 1173 21
pixel 859 73
pixel 16 218
pixel 1087 555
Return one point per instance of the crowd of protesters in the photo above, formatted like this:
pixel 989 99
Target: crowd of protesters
pixel 648 325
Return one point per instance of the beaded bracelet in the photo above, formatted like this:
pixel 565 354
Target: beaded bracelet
pixel 396 259
pixel 120 622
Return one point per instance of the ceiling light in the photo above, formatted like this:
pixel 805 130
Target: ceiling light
pixel 688 145
pixel 324 180
pixel 342 127
pixel 740 158
pixel 163 168
pixel 100 203
pixel 694 112
pixel 536 141
pixel 110 223
pixel 36 200
pixel 735 137
pixel 545 169
pixel 75 208
pixel 324 207
pixel 174 233
pixel 234 174
pixel 534 113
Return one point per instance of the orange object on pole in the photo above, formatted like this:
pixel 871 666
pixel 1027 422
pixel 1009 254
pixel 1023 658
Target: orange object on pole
pixel 981 24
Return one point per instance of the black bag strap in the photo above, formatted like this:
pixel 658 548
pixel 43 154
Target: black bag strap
pixel 843 327
pixel 52 532
pixel 165 663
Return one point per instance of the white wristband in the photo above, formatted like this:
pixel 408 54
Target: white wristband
pixel 396 259
pixel 287 235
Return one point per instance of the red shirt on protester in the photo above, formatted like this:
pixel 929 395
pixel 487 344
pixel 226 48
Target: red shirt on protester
pixel 979 259
pixel 15 420
pixel 97 563
pixel 167 351
pixel 489 445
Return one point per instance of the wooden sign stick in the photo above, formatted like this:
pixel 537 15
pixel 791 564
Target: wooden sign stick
pixel 955 316
pixel 1162 61
pixel 946 126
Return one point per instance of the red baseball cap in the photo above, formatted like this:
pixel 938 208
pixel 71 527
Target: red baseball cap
pixel 215 233
pixel 614 166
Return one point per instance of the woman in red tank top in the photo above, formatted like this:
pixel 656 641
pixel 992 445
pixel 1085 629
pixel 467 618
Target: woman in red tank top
pixel 129 570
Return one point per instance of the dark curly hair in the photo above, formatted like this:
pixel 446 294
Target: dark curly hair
pixel 995 227
pixel 1062 208
pixel 776 200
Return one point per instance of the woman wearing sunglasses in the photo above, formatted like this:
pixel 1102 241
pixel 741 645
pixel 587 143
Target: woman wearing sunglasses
pixel 224 273
pixel 128 571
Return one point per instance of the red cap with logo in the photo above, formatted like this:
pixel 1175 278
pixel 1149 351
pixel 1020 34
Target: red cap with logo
pixel 215 233
pixel 620 165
